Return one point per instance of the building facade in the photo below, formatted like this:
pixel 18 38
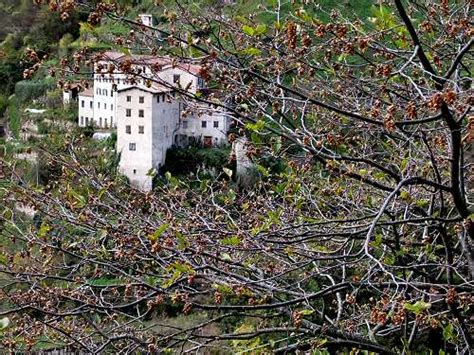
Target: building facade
pixel 147 105
pixel 85 100
pixel 146 120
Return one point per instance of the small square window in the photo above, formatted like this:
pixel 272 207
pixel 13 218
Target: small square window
pixel 128 129
pixel 141 129
pixel 141 99
pixel 128 112
pixel 129 99
pixel 200 82
pixel 132 146
pixel 141 113
pixel 216 124
pixel 203 124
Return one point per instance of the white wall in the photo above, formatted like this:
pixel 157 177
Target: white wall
pixel 67 97
pixel 167 75
pixel 209 115
pixel 146 19
pixel 135 164
pixel 86 113
pixel 159 122
pixel 105 98
pixel 165 123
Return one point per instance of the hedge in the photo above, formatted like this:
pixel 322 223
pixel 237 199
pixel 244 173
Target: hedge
pixel 185 160
pixel 27 90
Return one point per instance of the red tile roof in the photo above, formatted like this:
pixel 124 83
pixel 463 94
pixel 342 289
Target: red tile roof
pixel 136 58
pixel 154 88
pixel 87 92
pixel 190 68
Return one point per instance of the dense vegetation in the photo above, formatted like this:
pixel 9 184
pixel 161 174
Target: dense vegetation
pixel 354 233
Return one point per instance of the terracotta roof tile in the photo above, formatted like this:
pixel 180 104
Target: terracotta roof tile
pixel 154 89
pixel 87 92
pixel 136 58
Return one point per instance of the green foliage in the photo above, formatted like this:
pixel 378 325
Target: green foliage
pixel 158 233
pixel 231 241
pixel 44 127
pixel 3 104
pixel 418 307
pixel 254 31
pixel 186 160
pixel 449 332
pixel 4 323
pixel 27 90
pixel 14 119
pixel 10 72
pixel 47 171
pixel 103 281
pixel 87 131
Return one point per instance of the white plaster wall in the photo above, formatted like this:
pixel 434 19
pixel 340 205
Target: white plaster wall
pixel 146 19
pixel 108 103
pixel 105 104
pixel 85 111
pixel 67 97
pixel 185 77
pixel 135 164
pixel 195 129
pixel 165 123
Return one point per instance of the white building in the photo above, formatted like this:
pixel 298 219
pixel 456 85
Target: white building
pixel 147 106
pixel 85 101
pixel 206 125
pixel 146 19
pixel 146 121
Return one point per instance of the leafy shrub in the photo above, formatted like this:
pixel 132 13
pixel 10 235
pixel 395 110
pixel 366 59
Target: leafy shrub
pixel 14 119
pixel 48 170
pixel 87 131
pixel 3 104
pixel 69 113
pixel 52 99
pixel 43 127
pixel 111 141
pixel 180 161
pixel 26 90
